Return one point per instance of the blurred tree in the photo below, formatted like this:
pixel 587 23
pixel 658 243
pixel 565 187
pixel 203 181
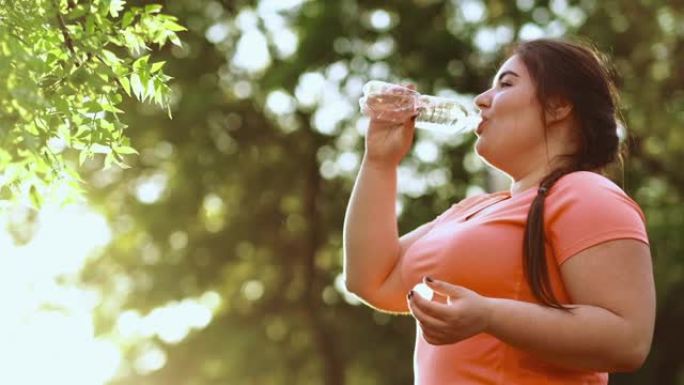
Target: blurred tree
pixel 65 65
pixel 239 201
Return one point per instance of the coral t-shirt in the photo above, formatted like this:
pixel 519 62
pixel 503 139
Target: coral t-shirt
pixel 478 243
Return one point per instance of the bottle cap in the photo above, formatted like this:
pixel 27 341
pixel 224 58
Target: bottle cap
pixel 424 291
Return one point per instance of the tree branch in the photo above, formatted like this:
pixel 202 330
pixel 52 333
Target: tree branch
pixel 65 33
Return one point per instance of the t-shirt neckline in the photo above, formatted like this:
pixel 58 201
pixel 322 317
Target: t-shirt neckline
pixel 493 199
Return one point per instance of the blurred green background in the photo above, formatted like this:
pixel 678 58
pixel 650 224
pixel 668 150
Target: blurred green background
pixel 216 258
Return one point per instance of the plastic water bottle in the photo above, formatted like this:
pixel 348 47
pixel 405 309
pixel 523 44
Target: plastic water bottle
pixel 394 103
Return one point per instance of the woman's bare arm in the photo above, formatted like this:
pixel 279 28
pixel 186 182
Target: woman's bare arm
pixel 611 328
pixel 372 247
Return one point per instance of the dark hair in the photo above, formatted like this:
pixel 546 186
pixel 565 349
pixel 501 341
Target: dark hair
pixel 576 73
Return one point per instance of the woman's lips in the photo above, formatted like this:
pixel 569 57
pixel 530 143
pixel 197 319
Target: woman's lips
pixel 480 127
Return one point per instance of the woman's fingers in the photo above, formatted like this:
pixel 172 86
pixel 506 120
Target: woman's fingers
pixel 390 108
pixel 396 104
pixel 418 305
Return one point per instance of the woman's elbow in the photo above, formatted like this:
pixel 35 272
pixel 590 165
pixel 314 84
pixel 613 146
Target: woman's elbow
pixel 357 288
pixel 351 287
pixel 632 359
pixel 376 299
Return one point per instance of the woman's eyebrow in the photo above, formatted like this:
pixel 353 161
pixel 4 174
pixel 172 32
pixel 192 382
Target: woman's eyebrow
pixel 507 72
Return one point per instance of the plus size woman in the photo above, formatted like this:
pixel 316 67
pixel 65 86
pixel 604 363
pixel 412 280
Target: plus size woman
pixel 548 282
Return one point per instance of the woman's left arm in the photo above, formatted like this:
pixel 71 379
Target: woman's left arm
pixel 610 328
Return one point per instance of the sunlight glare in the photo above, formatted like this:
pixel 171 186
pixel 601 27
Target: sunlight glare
pixel 171 322
pixel 309 89
pixel 47 328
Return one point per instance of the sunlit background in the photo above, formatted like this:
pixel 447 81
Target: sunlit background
pixel 47 330
pixel 213 227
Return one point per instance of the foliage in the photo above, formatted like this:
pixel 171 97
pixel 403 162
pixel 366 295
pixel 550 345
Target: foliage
pixel 65 67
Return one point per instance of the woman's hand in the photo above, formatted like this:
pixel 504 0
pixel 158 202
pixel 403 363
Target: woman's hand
pixel 465 313
pixel 391 128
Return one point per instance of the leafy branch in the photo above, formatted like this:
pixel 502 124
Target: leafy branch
pixel 64 85
pixel 65 33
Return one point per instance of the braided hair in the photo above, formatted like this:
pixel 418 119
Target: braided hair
pixel 576 73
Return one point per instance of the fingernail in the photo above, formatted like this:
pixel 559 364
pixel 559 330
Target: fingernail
pixel 410 294
pixel 429 279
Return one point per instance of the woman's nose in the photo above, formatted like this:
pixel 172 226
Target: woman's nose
pixel 483 100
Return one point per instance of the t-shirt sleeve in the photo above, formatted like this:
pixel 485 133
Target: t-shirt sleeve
pixel 588 209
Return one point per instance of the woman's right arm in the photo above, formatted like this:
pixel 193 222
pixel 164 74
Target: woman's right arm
pixel 372 247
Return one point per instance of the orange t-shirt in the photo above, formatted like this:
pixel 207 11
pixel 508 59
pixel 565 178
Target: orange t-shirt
pixel 484 254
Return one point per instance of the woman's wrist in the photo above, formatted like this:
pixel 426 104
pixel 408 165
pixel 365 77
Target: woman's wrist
pixel 490 305
pixel 379 163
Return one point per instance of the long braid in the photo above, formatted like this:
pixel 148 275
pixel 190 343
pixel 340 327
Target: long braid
pixel 534 260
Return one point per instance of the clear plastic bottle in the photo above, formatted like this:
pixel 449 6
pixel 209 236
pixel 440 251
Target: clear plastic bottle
pixel 394 103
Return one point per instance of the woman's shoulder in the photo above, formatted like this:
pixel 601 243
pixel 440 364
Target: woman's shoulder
pixel 586 183
pixel 586 208
pixel 590 193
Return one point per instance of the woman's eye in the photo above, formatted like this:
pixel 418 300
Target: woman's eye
pixel 505 84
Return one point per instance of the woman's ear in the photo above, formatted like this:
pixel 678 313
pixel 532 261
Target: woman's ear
pixel 557 110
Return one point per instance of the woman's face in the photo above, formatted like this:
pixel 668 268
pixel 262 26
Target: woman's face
pixel 511 134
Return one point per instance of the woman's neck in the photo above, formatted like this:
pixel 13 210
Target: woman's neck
pixel 533 178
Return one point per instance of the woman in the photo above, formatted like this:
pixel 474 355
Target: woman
pixel 548 283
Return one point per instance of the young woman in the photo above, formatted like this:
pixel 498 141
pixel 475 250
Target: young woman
pixel 548 283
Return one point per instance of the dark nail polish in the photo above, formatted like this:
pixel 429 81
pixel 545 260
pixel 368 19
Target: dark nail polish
pixel 410 294
pixel 429 279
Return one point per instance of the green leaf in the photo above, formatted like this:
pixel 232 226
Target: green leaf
pixel 111 108
pixel 77 13
pixel 153 8
pixel 173 26
pixel 126 150
pixel 157 66
pixel 92 106
pixel 127 19
pixel 116 6
pixel 90 24
pixel 133 42
pixel 144 81
pixel 137 86
pixel 108 161
pixel 106 125
pixel 175 40
pixel 126 85
pixel 149 91
pixel 110 57
pixel 140 64
pixel 82 132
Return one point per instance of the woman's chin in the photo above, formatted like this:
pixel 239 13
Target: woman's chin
pixel 482 151
pixel 480 147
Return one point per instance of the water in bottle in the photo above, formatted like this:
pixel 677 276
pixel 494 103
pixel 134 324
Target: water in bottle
pixel 394 103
